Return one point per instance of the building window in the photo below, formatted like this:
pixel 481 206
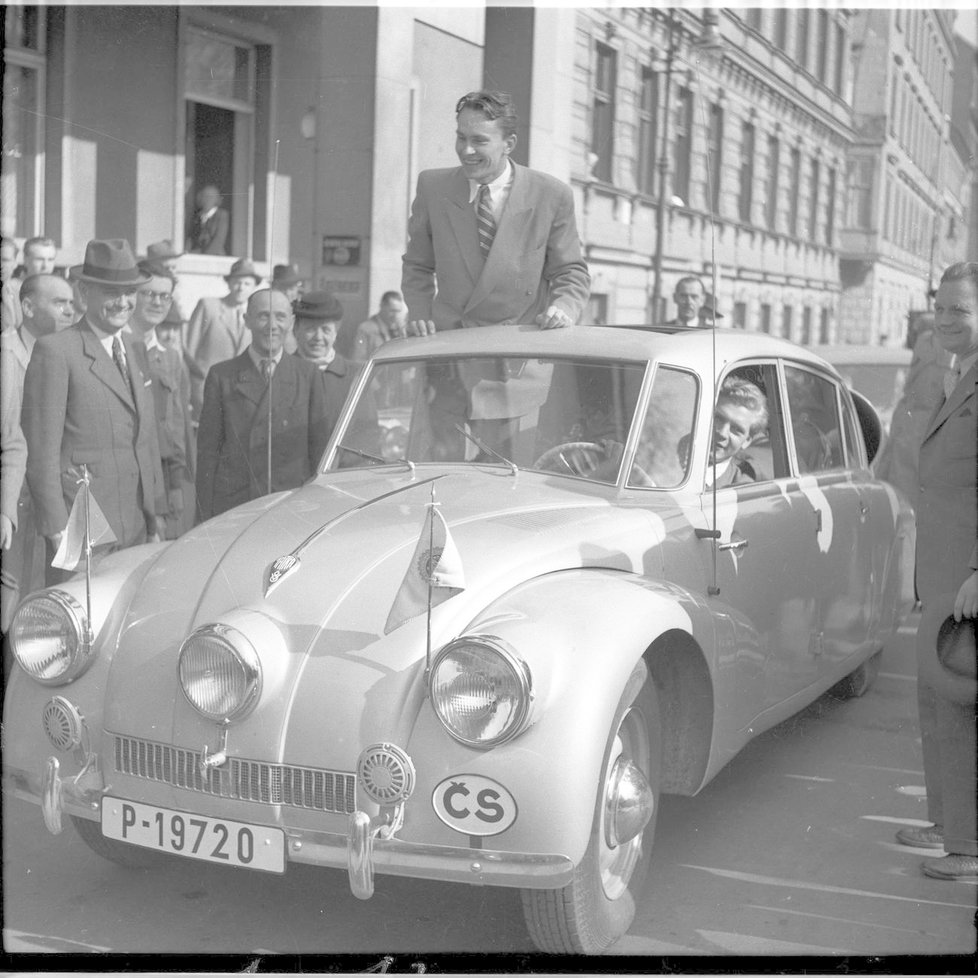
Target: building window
pixel 765 317
pixel 830 209
pixel 740 315
pixel 683 146
pixel 22 171
pixel 746 196
pixel 786 314
pixel 715 159
pixel 823 327
pixel 861 194
pixel 793 196
pixel 806 326
pixel 597 310
pixel 781 28
pixel 603 112
pixel 801 38
pixel 822 55
pixel 648 117
pixel 223 141
pixel 841 56
pixel 813 202
pixel 773 179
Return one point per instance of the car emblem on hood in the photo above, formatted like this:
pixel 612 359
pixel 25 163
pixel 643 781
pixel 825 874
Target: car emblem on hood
pixel 281 566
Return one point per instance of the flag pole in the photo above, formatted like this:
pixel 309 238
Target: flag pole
pixel 271 259
pixel 86 488
pixel 431 547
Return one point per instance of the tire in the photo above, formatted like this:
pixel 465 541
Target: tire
pixel 132 857
pixel 597 907
pixel 860 681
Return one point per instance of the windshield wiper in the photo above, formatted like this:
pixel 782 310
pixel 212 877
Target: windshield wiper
pixel 485 448
pixel 377 458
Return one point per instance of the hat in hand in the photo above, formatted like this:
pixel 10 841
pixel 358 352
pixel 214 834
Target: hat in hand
pixel 109 262
pixel 946 651
pixel 321 306
pixel 241 268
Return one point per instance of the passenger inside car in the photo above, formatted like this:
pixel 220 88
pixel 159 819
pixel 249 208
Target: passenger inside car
pixel 739 418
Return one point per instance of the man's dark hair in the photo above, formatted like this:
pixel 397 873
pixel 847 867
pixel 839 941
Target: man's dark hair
pixel 392 296
pixel 41 242
pixel 962 271
pixel 158 270
pixel 691 278
pixel 494 106
pixel 31 286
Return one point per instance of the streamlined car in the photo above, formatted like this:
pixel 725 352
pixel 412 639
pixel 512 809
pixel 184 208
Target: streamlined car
pixel 520 601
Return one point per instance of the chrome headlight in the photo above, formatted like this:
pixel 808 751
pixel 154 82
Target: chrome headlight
pixel 481 690
pixel 220 672
pixel 48 638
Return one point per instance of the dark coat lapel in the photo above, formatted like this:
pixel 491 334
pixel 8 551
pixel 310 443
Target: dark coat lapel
pixel 461 214
pixel 103 366
pixel 964 390
pixel 248 382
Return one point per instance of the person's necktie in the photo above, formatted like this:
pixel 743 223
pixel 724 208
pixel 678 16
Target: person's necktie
pixel 485 220
pixel 120 361
pixel 267 368
pixel 951 378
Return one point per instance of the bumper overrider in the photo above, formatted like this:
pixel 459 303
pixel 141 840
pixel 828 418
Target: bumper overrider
pixel 385 782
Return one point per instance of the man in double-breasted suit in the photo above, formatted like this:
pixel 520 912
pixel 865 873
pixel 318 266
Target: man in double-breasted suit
pixel 947 568
pixel 490 241
pixel 217 329
pixel 87 402
pixel 233 438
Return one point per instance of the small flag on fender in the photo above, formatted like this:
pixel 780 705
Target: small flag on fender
pixel 436 569
pixel 72 548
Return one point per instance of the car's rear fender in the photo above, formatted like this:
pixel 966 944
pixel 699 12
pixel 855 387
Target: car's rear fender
pixel 581 633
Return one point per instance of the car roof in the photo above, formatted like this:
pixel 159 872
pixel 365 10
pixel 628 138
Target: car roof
pixel 870 355
pixel 678 345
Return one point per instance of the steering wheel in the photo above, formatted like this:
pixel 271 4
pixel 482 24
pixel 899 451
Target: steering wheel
pixel 577 457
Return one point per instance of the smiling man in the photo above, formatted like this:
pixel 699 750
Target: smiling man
pixel 740 416
pixel 490 241
pixel 87 402
pixel 257 394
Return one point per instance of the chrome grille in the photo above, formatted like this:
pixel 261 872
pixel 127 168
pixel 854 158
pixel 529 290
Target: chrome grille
pixel 269 784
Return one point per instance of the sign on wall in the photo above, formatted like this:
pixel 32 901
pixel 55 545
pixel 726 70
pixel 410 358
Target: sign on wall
pixel 340 250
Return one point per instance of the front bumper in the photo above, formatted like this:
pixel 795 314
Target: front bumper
pixel 393 857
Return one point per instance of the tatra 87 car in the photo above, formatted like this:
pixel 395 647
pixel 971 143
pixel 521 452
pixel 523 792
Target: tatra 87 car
pixel 541 579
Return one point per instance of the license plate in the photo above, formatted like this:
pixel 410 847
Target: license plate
pixel 185 834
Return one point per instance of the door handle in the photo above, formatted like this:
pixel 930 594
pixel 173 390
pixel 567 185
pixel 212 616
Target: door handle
pixel 734 545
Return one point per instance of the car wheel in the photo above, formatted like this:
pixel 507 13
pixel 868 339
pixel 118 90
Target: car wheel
pixel 132 857
pixel 860 680
pixel 597 907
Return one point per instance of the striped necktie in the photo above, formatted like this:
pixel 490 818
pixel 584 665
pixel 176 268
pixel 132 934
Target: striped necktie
pixel 951 377
pixel 486 222
pixel 118 354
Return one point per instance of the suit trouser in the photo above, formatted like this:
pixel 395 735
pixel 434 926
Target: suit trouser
pixel 948 739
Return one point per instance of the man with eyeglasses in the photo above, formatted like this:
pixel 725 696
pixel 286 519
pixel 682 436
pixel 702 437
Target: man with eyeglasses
pixel 171 395
pixel 87 402
pixel 46 305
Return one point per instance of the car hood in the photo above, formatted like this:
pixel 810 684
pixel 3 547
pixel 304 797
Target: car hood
pixel 328 616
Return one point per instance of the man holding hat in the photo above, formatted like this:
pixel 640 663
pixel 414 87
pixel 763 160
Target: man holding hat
pixel 217 330
pixel 947 584
pixel 262 393
pixel 87 402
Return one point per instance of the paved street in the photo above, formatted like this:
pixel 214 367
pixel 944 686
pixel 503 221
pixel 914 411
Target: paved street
pixel 789 851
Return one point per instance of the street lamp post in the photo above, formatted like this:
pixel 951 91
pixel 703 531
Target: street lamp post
pixel 663 168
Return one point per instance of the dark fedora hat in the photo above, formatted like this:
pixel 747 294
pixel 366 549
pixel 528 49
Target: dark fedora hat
pixel 946 653
pixel 321 306
pixel 109 262
pixel 162 251
pixel 241 268
pixel 285 275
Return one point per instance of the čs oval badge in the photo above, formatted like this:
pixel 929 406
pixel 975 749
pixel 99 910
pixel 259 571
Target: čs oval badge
pixel 473 804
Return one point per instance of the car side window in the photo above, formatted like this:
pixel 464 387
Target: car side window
pixel 663 455
pixel 813 408
pixel 854 452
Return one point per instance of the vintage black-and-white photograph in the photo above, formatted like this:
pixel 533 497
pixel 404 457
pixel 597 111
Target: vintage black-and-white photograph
pixel 489 486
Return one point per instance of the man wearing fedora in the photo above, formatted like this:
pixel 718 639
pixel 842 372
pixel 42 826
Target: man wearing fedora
pixel 217 330
pixel 947 584
pixel 286 278
pixel 261 392
pixel 87 402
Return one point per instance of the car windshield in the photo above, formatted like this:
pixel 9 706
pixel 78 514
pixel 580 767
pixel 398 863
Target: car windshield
pixel 569 416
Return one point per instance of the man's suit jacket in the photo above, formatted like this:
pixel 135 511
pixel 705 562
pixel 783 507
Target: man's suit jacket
pixel 78 411
pixel 14 357
pixel 232 441
pixel 171 401
pixel 210 237
pixel 216 332
pixel 535 259
pixel 947 512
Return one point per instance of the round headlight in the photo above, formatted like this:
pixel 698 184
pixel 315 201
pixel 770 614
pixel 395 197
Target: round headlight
pixel 47 637
pixel 481 690
pixel 220 672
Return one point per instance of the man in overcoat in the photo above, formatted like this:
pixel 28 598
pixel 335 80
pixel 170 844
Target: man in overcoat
pixel 238 416
pixel 88 403
pixel 947 574
pixel 490 241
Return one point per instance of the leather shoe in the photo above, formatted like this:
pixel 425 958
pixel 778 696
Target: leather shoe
pixel 955 867
pixel 923 837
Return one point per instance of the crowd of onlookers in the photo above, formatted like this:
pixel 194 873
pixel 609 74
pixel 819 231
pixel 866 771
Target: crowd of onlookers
pixel 166 411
